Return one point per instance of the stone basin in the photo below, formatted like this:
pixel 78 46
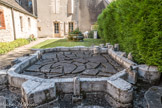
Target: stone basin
pixel 50 73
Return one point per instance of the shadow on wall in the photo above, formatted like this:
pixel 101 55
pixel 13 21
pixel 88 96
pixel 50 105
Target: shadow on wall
pixel 89 11
pixel 95 9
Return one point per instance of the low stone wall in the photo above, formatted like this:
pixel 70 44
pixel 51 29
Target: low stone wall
pixel 146 73
pixel 38 91
pixel 118 92
pixel 3 79
pixel 117 88
pixel 120 59
pixel 149 73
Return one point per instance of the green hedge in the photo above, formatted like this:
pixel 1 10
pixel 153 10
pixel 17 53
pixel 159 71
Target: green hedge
pixel 8 46
pixel 137 26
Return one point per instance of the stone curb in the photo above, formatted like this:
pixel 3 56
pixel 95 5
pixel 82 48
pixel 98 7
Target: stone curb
pixel 109 85
pixel 38 92
pixel 3 77
pixel 147 73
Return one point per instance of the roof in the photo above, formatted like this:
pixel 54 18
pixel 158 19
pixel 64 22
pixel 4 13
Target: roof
pixel 13 4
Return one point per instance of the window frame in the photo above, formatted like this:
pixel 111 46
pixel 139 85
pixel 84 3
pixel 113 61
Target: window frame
pixel 21 23
pixel 56 27
pixel 71 26
pixel 29 23
pixel 2 18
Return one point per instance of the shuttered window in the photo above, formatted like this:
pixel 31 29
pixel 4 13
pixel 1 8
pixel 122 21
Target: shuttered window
pixel 2 20
pixel 21 23
pixel 70 6
pixel 55 6
pixel 71 26
pixel 29 23
pixel 57 27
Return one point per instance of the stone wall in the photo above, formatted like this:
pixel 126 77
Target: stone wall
pixel 39 91
pixel 47 15
pixel 27 31
pixel 83 13
pixel 89 11
pixel 8 33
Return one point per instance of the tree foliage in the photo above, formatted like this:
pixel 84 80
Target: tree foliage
pixel 137 26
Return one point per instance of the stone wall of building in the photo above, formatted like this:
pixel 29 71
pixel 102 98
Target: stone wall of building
pixel 7 34
pixel 89 11
pixel 50 11
pixel 83 13
pixel 29 27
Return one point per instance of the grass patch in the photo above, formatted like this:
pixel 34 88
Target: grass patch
pixel 8 46
pixel 64 42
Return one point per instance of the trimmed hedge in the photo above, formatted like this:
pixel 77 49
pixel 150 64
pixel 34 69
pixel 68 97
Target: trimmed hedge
pixel 8 46
pixel 137 26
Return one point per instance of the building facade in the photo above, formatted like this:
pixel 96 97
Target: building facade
pixel 15 21
pixel 56 18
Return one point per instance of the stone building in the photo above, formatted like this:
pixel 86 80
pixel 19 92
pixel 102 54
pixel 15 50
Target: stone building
pixel 15 21
pixel 56 18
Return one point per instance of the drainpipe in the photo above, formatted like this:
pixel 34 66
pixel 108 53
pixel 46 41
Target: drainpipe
pixel 13 20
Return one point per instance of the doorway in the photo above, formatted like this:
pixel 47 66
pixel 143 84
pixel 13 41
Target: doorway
pixel 56 29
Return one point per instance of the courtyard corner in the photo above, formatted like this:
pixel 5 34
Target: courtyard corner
pixel 80 53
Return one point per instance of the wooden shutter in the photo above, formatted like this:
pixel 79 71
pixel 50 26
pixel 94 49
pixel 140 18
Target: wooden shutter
pixel 2 20
pixel 57 6
pixel 70 6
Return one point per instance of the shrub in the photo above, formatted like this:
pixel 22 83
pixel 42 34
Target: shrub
pixel 31 38
pixel 90 34
pixel 137 26
pixel 74 33
pixel 8 46
pixel 95 26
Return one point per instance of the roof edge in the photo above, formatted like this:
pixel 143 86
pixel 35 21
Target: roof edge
pixel 15 8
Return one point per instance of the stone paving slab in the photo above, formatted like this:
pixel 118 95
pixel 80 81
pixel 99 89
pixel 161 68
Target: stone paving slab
pixel 72 63
pixel 154 97
pixel 92 72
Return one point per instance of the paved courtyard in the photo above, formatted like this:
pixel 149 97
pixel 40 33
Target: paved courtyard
pixel 72 64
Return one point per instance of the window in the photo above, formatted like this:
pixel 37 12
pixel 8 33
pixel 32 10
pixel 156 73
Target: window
pixel 29 3
pixel 55 6
pixel 2 20
pixel 21 23
pixel 57 27
pixel 29 23
pixel 70 6
pixel 19 1
pixel 71 26
pixel 39 28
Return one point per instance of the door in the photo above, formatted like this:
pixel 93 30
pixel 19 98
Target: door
pixel 71 27
pixel 56 29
